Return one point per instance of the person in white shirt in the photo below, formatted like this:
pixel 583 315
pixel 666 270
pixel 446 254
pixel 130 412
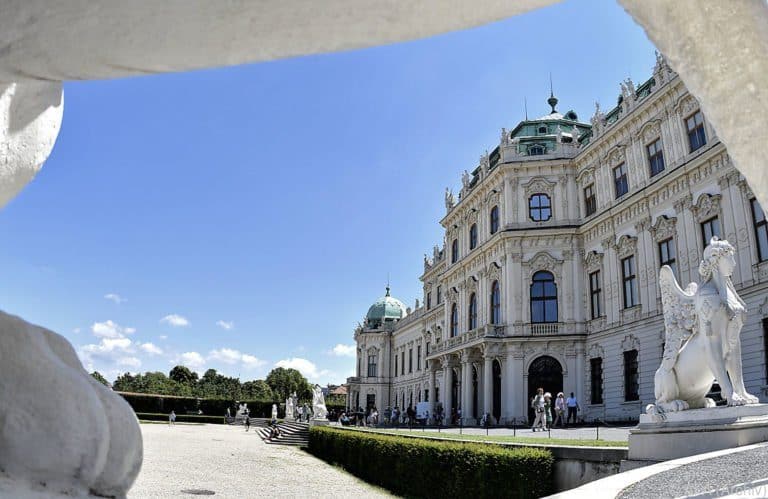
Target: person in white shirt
pixel 560 410
pixel 537 404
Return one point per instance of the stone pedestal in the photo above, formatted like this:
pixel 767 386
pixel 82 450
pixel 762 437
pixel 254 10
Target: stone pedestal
pixel 319 422
pixel 686 433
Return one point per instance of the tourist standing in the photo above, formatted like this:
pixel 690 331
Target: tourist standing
pixel 247 422
pixel 560 410
pixel 537 404
pixel 548 408
pixel 172 418
pixel 573 407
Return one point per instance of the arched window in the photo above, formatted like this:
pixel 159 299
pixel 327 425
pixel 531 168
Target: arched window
pixel 472 311
pixel 494 219
pixel 535 151
pixel 539 208
pixel 454 320
pixel 543 297
pixel 473 237
pixel 495 303
pixel 455 251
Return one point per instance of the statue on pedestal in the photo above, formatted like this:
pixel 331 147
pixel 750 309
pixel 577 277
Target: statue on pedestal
pixel 318 403
pixel 703 326
pixel 289 407
pixel 274 411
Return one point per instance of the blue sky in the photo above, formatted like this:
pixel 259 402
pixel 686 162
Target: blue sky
pixel 241 218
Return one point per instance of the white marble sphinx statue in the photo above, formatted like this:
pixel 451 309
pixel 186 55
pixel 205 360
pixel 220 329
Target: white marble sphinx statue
pixel 703 326
pixel 319 410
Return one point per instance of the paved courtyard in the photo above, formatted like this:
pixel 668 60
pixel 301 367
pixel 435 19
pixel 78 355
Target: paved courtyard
pixel 200 459
pixel 613 433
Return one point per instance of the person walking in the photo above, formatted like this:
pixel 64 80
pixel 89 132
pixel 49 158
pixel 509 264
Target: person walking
pixel 573 407
pixel 247 422
pixel 172 418
pixel 560 410
pixel 537 404
pixel 548 408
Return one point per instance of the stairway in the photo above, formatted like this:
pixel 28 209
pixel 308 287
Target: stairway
pixel 291 433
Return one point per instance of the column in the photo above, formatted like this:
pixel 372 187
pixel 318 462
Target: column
pixel 580 361
pixel 508 388
pixel 487 384
pixel 645 260
pixel 570 293
pixel 687 231
pixel 432 380
pixel 447 385
pixel 506 209
pixel 731 221
pixel 466 387
pixel 519 402
pixel 573 199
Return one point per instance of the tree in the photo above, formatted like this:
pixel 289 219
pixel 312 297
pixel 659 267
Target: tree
pixel 216 386
pixel 182 375
pixel 101 379
pixel 258 390
pixel 283 382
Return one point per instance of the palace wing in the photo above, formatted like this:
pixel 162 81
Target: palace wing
pixel 679 315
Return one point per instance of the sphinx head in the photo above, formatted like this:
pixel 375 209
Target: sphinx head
pixel 718 257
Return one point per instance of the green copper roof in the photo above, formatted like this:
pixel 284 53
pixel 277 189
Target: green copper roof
pixel 386 309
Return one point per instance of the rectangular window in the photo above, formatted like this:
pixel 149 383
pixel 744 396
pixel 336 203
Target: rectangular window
pixel 395 364
pixel 667 254
pixel 410 360
pixel 631 387
pixel 402 362
pixel 372 366
pixel 630 281
pixel 620 180
pixel 418 357
pixel 439 296
pixel 590 200
pixel 695 126
pixel 710 228
pixel 761 230
pixel 596 380
pixel 655 157
pixel 429 300
pixel 594 293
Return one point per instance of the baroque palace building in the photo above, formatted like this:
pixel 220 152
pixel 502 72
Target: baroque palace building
pixel 548 275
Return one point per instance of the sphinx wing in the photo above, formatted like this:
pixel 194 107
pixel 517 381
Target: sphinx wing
pixel 679 315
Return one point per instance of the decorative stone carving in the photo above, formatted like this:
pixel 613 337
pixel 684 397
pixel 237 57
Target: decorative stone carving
pixel 608 242
pixel 683 203
pixel 651 131
pixel 707 206
pixel 687 105
pixel 504 137
pixel 664 228
pixel 494 272
pixel 701 319
pixel 596 351
pixel 642 224
pixel 544 261
pixel 626 245
pixel 450 201
pixel 539 185
pixel 586 176
pixel 630 342
pixel 593 261
pixel 485 163
pixel 597 120
pixel 616 155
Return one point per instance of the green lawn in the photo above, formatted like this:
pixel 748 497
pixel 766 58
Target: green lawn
pixel 503 438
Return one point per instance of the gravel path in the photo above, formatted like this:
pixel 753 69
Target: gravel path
pixel 704 476
pixel 232 463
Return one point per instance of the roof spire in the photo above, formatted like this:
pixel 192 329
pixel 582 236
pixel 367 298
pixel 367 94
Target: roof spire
pixel 552 101
pixel 525 103
pixel 387 284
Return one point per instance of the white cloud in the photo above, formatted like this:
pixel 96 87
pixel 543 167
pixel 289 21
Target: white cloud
pixel 344 350
pixel 116 298
pixel 108 345
pixel 193 360
pixel 251 362
pixel 175 320
pixel 129 362
pixel 225 324
pixel 226 355
pixel 307 368
pixel 76 330
pixel 231 356
pixel 110 329
pixel 151 349
pixel 163 337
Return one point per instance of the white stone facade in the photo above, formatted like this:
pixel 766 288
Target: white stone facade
pixel 493 367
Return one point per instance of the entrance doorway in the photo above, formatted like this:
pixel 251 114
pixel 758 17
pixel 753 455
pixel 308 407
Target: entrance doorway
pixel 370 401
pixel 474 392
pixel 547 373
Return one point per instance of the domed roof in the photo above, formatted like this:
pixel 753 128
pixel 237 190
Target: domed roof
pixel 385 309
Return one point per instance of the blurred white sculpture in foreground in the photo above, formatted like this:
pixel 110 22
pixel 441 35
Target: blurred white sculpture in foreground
pixel 318 403
pixel 703 327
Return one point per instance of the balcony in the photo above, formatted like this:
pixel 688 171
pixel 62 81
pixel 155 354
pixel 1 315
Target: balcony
pixel 487 331
pixel 549 329
pixel 545 329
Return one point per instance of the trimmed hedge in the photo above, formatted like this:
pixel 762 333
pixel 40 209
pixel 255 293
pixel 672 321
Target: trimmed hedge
pixel 415 467
pixel 158 404
pixel 181 418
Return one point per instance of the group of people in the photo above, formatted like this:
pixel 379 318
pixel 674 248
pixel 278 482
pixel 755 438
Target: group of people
pixel 545 408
